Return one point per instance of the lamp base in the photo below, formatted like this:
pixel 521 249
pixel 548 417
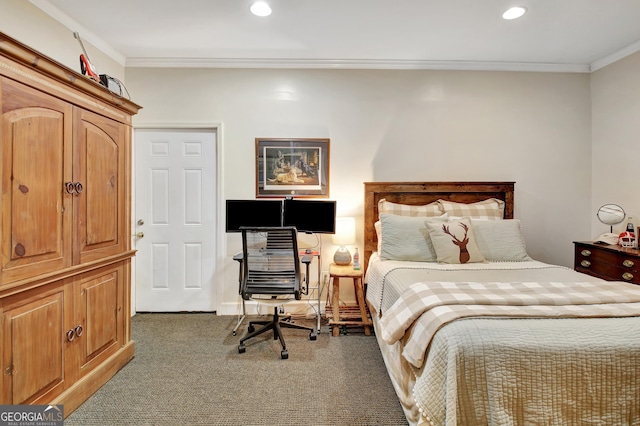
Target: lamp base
pixel 342 256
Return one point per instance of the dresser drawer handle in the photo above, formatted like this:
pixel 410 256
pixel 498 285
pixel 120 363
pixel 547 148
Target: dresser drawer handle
pixel 628 263
pixel 627 276
pixel 585 263
pixel 585 252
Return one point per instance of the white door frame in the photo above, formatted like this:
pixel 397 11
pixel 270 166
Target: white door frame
pixel 219 188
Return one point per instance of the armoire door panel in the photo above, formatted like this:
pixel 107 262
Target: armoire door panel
pixel 100 312
pixel 33 349
pixel 36 162
pixel 99 167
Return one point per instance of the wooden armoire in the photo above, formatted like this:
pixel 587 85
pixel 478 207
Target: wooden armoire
pixel 65 290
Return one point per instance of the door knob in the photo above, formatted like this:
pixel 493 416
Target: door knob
pixel 139 235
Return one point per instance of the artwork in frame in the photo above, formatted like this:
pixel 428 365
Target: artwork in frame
pixel 292 167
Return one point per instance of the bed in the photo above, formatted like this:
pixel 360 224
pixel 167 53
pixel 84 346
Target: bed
pixel 475 332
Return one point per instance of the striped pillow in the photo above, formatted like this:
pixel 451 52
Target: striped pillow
pixel 427 210
pixel 489 209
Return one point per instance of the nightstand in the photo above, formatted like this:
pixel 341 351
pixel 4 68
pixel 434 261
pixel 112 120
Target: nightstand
pixel 347 315
pixel 609 262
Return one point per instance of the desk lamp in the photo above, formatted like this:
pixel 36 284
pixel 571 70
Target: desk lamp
pixel 345 235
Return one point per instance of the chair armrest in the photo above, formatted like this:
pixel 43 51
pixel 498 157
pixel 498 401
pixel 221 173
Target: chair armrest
pixel 306 259
pixel 239 257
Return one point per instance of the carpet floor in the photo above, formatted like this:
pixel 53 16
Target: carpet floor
pixel 187 371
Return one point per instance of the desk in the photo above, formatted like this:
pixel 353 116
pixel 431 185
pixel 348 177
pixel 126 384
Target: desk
pixel 305 258
pixel 362 317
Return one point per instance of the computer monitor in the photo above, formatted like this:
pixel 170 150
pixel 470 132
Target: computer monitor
pixel 253 213
pixel 311 216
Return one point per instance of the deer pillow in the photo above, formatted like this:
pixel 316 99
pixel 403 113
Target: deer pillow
pixel 454 241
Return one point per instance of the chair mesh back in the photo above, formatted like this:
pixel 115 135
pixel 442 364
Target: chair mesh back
pixel 271 262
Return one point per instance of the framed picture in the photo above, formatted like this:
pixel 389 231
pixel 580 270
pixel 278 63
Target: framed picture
pixel 292 167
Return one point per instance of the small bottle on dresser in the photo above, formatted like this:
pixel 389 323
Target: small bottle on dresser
pixel 356 260
pixel 631 230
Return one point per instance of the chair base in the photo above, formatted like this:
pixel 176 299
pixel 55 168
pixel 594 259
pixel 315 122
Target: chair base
pixel 275 324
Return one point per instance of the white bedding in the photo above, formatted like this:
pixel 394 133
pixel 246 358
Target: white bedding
pixel 486 371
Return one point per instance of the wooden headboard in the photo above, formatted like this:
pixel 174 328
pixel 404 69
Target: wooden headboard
pixel 417 193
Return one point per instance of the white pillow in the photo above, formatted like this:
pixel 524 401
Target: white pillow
pixel 407 238
pixel 500 240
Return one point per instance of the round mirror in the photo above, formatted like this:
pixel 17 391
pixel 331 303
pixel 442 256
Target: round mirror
pixel 611 214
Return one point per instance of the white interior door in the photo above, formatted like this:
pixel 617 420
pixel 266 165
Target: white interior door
pixel 175 207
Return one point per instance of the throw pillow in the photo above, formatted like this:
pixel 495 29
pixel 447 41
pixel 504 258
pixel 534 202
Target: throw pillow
pixel 491 208
pixel 454 242
pixel 407 238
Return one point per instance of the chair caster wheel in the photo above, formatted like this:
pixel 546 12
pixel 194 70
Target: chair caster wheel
pixel 312 336
pixel 242 349
pixel 251 328
pixel 234 333
pixel 284 354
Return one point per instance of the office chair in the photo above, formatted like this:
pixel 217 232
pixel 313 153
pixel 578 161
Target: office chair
pixel 270 274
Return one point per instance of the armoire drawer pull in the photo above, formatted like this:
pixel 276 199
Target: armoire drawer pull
pixel 585 263
pixel 71 334
pixel 627 276
pixel 628 263
pixel 585 252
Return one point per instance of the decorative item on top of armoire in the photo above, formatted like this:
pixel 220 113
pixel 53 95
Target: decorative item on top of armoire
pixel 65 283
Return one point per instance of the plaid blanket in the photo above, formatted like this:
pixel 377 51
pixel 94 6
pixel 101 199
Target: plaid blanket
pixel 426 307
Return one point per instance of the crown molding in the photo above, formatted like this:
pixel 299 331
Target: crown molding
pixel 353 64
pixel 616 56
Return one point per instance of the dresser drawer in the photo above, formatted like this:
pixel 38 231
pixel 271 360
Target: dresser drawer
pixel 609 263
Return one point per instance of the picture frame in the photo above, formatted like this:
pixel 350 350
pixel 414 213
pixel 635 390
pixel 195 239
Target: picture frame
pixel 292 168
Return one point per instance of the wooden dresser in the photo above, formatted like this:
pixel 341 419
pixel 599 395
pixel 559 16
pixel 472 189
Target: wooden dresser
pixel 609 262
pixel 66 238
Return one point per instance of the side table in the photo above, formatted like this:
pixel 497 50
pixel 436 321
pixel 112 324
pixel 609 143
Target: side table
pixel 347 318
pixel 609 262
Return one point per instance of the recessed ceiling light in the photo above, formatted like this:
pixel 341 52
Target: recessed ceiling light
pixel 260 8
pixel 514 12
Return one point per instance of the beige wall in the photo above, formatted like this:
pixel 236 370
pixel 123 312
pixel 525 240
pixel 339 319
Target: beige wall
pixel 533 128
pixel 615 94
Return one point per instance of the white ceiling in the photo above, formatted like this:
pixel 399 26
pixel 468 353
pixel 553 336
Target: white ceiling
pixel 555 35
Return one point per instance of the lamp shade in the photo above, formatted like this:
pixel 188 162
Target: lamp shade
pixel 345 231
